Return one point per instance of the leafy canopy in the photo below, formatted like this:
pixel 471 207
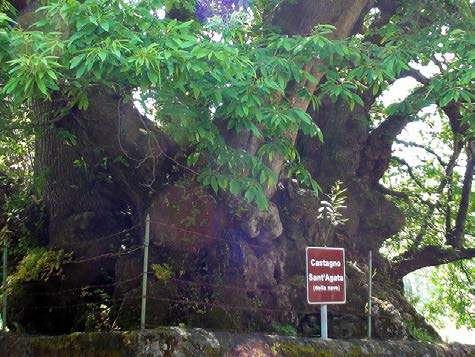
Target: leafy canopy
pixel 201 77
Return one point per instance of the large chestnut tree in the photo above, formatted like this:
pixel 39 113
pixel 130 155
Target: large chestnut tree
pixel 247 131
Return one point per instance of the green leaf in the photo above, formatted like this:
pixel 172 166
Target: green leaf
pixel 303 116
pixel 75 61
pixel 102 55
pixel 234 187
pixel 261 201
pixel 42 86
pixel 83 102
pixel 105 25
pixel 214 184
pixel 250 194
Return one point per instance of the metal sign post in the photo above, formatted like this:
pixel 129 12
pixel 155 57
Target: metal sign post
pixel 145 272
pixel 326 282
pixel 323 322
pixel 370 286
pixel 4 287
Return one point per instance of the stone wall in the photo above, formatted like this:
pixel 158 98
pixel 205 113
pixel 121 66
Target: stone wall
pixel 174 341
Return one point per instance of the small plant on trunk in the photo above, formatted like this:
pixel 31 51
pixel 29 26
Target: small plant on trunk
pixel 330 211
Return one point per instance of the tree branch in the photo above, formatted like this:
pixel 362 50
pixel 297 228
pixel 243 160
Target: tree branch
pixel 343 15
pixel 428 149
pixel 428 256
pixel 407 196
pixel 446 179
pixel 455 237
pixel 410 171
pixel 438 63
pixel 417 75
pixel 387 191
pixel 376 153
pixel 288 17
pixel 452 110
pixel 358 25
pixel 448 210
pixel 387 9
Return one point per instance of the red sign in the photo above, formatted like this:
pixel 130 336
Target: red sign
pixel 326 275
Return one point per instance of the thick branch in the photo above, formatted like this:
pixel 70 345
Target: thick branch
pixel 300 17
pixel 417 75
pixel 376 154
pixel 455 238
pixel 387 8
pixel 288 17
pixel 429 256
pixel 452 110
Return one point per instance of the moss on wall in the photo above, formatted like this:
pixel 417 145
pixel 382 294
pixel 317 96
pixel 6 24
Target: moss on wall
pixel 177 341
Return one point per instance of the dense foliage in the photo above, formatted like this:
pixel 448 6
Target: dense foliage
pixel 203 74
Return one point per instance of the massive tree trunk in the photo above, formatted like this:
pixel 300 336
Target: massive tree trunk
pixel 221 276
pixel 226 268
